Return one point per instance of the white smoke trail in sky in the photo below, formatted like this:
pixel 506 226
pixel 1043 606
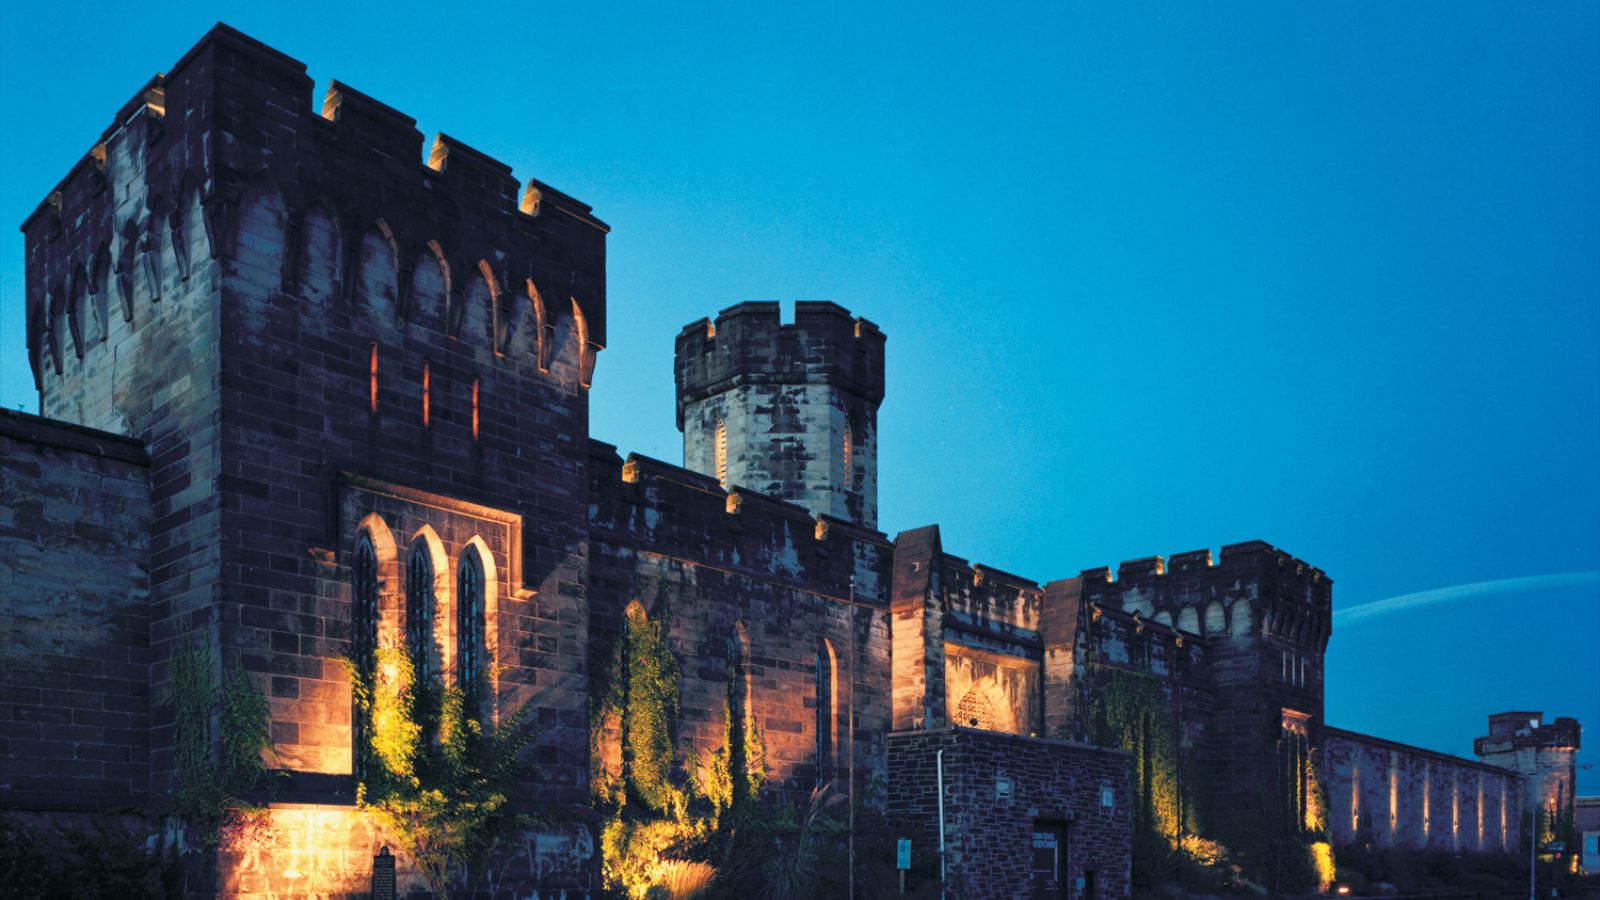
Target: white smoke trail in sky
pixel 1354 615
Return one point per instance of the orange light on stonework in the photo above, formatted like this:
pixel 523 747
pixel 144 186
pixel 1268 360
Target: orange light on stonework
pixel 372 369
pixel 846 472
pixel 474 409
pixel 721 450
pixel 427 391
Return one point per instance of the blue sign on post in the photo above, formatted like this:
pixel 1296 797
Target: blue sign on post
pixel 902 856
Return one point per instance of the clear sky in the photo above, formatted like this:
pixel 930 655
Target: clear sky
pixel 1155 277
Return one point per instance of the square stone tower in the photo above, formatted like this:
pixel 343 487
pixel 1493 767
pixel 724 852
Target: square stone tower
pixel 790 411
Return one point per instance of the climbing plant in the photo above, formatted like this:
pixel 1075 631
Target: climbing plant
pixel 209 792
pixel 436 780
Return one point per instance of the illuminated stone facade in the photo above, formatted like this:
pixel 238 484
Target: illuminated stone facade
pixel 276 349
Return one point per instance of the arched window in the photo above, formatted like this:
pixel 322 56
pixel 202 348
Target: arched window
pixel 469 627
pixel 419 607
pixel 825 713
pixel 721 451
pixel 363 637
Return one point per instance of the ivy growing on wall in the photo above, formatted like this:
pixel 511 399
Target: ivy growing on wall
pixel 435 779
pixel 208 793
pixel 660 819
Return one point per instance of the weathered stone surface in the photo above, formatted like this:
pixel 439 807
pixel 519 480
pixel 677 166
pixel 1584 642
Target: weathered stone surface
pixel 74 616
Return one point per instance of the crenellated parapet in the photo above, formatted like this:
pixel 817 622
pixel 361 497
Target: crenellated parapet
pixel 656 507
pixel 1255 588
pixel 226 157
pixel 786 409
pixel 749 344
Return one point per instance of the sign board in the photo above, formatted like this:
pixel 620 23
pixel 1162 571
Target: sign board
pixel 902 854
pixel 383 875
pixel 1002 788
pixel 1108 798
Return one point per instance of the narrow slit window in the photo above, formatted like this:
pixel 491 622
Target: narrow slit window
pixel 427 391
pixel 474 409
pixel 845 472
pixel 372 379
pixel 722 454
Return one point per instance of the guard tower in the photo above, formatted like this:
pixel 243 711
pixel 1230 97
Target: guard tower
pixel 788 410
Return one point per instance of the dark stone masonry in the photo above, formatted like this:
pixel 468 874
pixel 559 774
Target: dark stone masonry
pixel 279 350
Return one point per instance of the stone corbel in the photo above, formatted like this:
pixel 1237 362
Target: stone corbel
pixel 220 212
pixel 150 247
pixel 178 229
pixel 123 270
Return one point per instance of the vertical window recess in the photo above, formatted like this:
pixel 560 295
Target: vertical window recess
pixel 427 391
pixel 722 454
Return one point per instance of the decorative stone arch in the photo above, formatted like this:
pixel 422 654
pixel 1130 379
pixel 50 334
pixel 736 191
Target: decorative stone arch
pixel 391 586
pixel 55 317
pixel 984 707
pixel 1240 619
pixel 157 245
pixel 476 321
pixel 262 233
pixel 317 238
pixel 585 349
pixel 127 249
pixel 99 295
pixel 487 621
pixel 1189 620
pixel 190 240
pixel 378 273
pixel 826 696
pixel 78 315
pixel 428 300
pixel 543 329
pixel 1216 618
pixel 423 622
pixel 1163 617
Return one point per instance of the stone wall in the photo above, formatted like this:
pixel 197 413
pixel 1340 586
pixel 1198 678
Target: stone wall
pixel 793 607
pixel 74 621
pixel 1257 609
pixel 997 789
pixel 1410 798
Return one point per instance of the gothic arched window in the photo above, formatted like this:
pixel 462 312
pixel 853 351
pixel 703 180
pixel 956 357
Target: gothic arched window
pixel 469 625
pixel 363 635
pixel 825 712
pixel 419 607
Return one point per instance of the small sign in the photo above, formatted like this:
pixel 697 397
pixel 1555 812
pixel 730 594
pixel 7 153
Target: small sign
pixel 902 855
pixel 1108 798
pixel 1002 788
pixel 383 875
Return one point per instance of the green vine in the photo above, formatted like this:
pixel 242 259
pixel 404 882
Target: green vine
pixel 434 778
pixel 209 793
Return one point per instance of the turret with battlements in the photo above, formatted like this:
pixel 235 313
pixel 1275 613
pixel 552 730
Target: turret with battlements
pixel 789 410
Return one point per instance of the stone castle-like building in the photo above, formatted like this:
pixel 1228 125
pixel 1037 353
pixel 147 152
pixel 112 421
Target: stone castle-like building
pixel 300 390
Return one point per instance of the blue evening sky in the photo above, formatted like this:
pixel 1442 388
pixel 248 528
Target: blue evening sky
pixel 1155 276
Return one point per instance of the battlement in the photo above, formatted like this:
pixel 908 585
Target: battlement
pixel 749 344
pixel 654 506
pixel 234 123
pixel 1254 588
pixel 1259 556
pixel 1509 731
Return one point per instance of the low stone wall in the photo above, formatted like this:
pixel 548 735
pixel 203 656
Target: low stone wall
pixel 1001 793
pixel 1406 797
